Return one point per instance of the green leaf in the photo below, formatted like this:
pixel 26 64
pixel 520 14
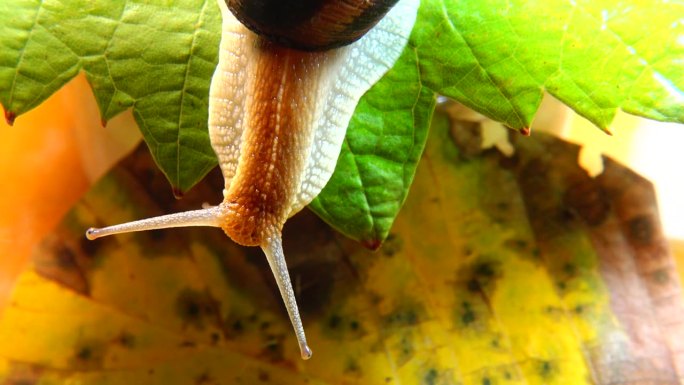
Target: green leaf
pixel 385 139
pixel 498 56
pixel 156 57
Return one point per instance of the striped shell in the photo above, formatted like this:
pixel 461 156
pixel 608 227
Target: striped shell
pixel 310 25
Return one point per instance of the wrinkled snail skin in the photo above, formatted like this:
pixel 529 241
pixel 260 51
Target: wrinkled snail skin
pixel 278 109
pixel 277 120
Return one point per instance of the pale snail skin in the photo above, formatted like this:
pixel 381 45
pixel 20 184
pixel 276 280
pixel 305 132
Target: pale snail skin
pixel 277 119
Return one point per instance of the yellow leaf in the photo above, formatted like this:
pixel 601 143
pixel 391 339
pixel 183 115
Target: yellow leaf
pixel 498 271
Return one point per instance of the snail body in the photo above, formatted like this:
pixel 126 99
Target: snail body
pixel 277 119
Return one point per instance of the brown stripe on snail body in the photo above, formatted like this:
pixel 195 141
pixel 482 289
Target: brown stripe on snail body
pixel 277 119
pixel 310 25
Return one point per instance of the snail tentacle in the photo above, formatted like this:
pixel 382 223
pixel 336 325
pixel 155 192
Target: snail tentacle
pixel 210 217
pixel 273 248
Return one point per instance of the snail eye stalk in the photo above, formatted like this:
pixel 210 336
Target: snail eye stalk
pixel 273 248
pixel 206 217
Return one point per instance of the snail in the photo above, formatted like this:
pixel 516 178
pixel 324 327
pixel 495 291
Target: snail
pixel 278 112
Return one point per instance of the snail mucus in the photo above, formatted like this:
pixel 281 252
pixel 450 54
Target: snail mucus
pixel 289 76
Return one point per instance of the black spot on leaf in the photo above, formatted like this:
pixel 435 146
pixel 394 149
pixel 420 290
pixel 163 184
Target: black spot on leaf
pixel 125 339
pixel 641 231
pixel 495 343
pixel 562 286
pixel 65 258
pixel 481 276
pixel 566 216
pixel 197 308
pixel 569 270
pixel 406 350
pixel 352 367
pixel 546 369
pixel 403 316
pixel 588 200
pixel 334 321
pixel 341 327
pixel 273 348
pixel 430 377
pixel 88 355
pixel 468 315
pixel 237 327
pixel 519 245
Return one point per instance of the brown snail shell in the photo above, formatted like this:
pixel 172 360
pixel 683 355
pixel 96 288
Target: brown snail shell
pixel 310 25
